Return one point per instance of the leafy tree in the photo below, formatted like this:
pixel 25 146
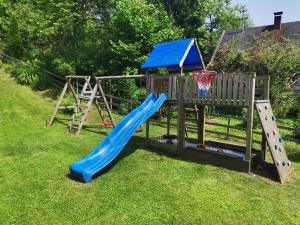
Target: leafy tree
pixel 135 27
pixel 267 55
pixel 206 19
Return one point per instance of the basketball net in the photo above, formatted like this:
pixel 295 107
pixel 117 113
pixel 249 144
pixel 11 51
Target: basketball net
pixel 204 78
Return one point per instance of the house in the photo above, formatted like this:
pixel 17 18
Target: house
pixel 244 37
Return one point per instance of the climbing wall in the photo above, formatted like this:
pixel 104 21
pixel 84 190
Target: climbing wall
pixel 274 140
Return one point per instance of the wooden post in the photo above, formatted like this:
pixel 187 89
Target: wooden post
pixel 105 103
pixel 249 134
pixel 181 112
pixel 57 105
pixel 168 118
pixel 148 86
pixel 267 88
pixel 110 93
pixel 201 124
pixel 263 136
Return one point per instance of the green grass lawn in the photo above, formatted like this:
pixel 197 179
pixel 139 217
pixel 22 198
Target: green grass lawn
pixel 140 188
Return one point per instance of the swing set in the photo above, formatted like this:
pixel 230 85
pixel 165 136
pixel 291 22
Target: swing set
pixel 85 95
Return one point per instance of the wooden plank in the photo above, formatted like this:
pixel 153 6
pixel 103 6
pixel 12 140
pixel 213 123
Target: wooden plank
pixel 187 97
pixel 170 87
pixel 250 121
pixel 216 50
pixel 241 94
pixel 230 81
pixel 224 88
pixel 181 113
pixel 248 90
pixel 267 88
pixel 194 94
pixel 148 85
pixel 60 99
pixel 168 119
pixel 201 123
pixel 209 96
pixel 99 86
pixel 235 89
pixel 219 89
pixel 77 77
pixel 274 140
pixel 143 76
pixel 174 85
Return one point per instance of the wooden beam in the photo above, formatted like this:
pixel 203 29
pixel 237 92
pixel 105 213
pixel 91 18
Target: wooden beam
pixel 106 103
pixel 216 50
pixel 62 94
pixel 201 123
pixel 250 121
pixel 181 112
pixel 121 77
pixel 148 87
pixel 168 118
pixel 78 77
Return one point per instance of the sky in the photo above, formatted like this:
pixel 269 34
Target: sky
pixel 261 11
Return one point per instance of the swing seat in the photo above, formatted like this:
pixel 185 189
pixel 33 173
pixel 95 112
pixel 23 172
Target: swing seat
pixel 107 123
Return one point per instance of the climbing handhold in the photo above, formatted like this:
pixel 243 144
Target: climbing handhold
pixel 283 163
pixel 278 163
pixel 268 135
pixel 266 118
pixel 266 107
pixel 280 148
pixel 274 132
pixel 280 139
pixel 289 163
pixel 273 118
pixel 276 147
pixel 259 109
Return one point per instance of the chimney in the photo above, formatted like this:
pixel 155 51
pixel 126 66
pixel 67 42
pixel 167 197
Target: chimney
pixel 277 20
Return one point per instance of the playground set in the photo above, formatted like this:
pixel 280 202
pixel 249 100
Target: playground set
pixel 186 92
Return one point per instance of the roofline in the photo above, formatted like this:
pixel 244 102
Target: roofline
pixel 241 30
pixel 186 53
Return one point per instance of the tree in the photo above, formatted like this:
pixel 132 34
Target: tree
pixel 135 27
pixel 267 55
pixel 206 19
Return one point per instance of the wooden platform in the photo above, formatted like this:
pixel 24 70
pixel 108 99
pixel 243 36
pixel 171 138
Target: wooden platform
pixel 205 155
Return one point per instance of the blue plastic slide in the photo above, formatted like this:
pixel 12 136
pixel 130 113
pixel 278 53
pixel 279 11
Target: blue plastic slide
pixel 113 144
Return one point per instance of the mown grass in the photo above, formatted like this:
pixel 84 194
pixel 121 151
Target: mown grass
pixel 141 187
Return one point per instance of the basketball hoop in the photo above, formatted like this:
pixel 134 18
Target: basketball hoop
pixel 204 78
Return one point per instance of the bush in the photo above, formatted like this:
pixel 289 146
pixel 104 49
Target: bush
pixel 24 73
pixel 266 55
pixel 297 125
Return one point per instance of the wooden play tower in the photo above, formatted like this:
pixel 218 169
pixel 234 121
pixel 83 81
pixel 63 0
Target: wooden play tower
pixel 227 90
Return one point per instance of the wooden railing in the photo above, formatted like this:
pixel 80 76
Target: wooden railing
pixel 227 89
pixel 163 84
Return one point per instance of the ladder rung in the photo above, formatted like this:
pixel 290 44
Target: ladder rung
pixel 74 127
pixel 66 107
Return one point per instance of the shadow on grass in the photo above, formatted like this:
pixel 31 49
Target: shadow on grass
pixel 266 170
pixel 90 128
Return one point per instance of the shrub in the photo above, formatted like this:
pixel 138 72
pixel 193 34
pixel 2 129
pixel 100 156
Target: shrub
pixel 297 125
pixel 266 55
pixel 24 73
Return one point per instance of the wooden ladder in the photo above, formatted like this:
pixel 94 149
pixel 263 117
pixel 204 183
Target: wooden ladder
pixel 89 97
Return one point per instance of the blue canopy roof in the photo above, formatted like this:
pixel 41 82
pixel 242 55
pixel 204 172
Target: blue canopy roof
pixel 175 54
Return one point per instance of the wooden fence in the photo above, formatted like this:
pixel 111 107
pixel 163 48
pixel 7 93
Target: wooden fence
pixel 115 103
pixel 227 89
